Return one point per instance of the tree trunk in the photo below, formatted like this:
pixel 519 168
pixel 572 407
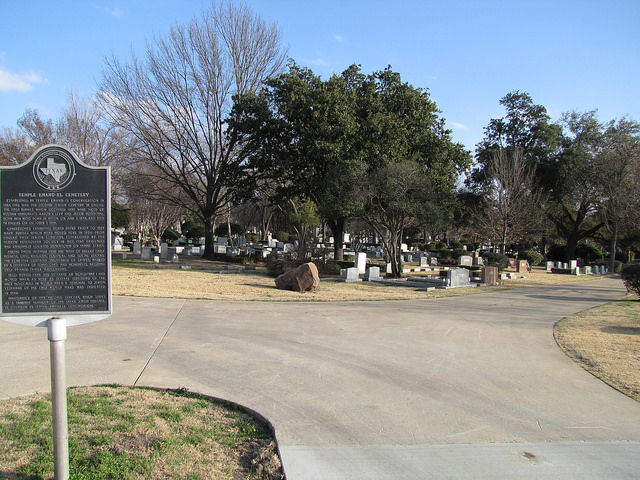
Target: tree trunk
pixel 612 254
pixel 209 241
pixel 393 248
pixel 337 229
pixel 572 244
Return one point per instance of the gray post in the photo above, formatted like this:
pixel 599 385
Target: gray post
pixel 57 334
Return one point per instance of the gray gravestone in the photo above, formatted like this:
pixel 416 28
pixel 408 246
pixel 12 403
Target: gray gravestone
pixel 372 274
pixel 465 260
pixel 458 277
pixel 350 275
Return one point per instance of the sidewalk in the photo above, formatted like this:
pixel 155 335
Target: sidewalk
pixel 464 387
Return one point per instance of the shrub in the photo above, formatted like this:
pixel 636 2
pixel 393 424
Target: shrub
pixel 456 245
pixel 630 274
pixel 533 257
pixel 499 260
pixel 589 253
pixel 556 253
pixel 445 253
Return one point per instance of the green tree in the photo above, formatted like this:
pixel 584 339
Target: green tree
pixel 572 180
pixel 321 139
pixel 120 215
pixel 300 136
pixel 526 126
pixel 525 141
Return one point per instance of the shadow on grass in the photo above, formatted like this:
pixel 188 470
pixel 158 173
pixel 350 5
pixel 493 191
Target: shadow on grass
pixel 621 330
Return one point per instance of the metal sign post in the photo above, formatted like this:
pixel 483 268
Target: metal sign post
pixel 57 334
pixel 55 258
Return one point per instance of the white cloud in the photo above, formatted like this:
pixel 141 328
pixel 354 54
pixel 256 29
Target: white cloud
pixel 319 62
pixel 19 82
pixel 114 12
pixel 459 126
pixel 338 38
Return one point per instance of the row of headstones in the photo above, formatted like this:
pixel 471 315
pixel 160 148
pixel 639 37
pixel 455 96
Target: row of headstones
pixel 456 277
pixel 576 270
pixel 425 260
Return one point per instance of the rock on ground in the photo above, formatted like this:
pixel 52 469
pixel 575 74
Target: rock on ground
pixel 301 279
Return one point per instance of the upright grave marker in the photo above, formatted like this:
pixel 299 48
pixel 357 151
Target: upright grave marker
pixel 55 258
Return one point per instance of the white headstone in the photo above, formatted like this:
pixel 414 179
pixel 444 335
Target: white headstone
pixel 361 262
pixel 146 253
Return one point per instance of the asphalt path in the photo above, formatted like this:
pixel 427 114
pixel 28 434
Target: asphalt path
pixel 459 387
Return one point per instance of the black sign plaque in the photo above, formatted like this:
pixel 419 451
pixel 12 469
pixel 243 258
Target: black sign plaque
pixel 54 239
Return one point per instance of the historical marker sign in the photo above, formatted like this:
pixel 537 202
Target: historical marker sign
pixel 55 251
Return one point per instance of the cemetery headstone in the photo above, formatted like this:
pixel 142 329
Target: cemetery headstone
pixel 458 277
pixel 137 248
pixel 350 275
pixel 523 266
pixel 489 275
pixel 549 266
pixel 146 253
pixel 465 260
pixel 372 274
pixel 164 250
pixel 361 262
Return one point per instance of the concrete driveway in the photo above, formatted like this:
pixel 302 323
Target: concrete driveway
pixel 461 387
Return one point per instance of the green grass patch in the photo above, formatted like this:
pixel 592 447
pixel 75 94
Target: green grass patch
pixel 119 433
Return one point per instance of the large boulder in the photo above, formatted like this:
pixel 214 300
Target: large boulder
pixel 300 279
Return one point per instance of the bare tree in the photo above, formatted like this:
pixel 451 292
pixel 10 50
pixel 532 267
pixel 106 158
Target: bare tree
pixel 510 197
pixel 152 215
pixel 618 165
pixel 84 128
pixel 16 146
pixel 395 195
pixel 176 100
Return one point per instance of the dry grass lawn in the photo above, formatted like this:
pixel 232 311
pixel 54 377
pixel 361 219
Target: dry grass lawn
pixel 605 341
pixel 220 281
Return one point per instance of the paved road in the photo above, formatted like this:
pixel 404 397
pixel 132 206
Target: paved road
pixel 462 387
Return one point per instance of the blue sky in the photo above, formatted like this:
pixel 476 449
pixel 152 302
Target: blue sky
pixel 568 55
